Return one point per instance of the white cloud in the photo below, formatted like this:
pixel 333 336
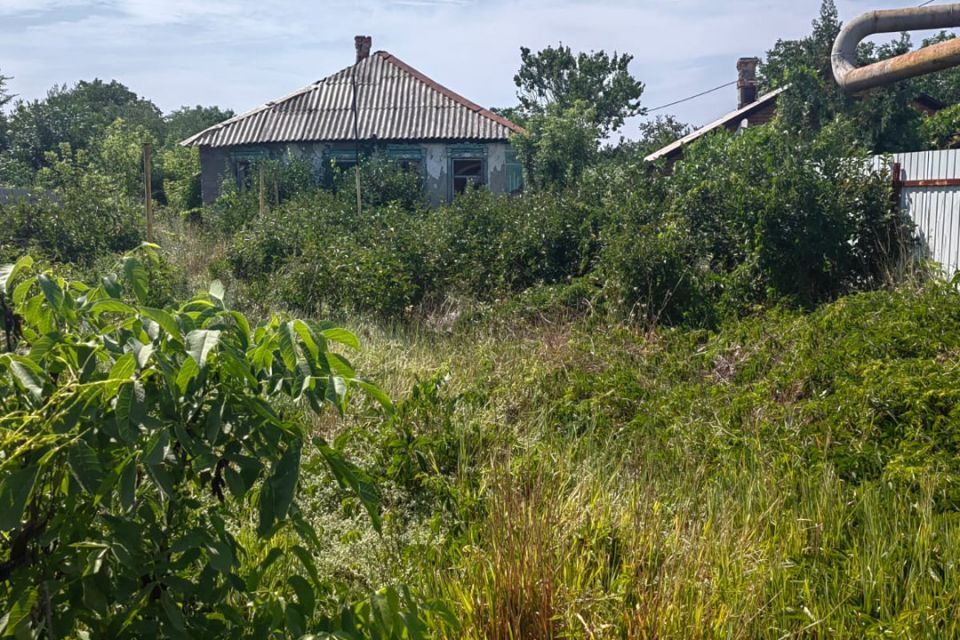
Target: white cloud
pixel 241 53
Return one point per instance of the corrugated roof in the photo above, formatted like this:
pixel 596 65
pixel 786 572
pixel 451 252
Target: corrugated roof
pixel 734 116
pixel 394 102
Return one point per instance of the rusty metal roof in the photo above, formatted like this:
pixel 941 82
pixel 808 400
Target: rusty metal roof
pixel 394 102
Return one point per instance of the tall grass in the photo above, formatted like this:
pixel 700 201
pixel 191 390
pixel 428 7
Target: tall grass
pixel 789 475
pixel 589 481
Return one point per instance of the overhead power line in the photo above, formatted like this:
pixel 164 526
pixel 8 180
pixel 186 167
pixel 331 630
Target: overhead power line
pixel 702 93
pixel 723 86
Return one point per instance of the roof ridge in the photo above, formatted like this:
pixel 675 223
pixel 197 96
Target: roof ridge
pixel 453 95
pixel 263 107
pixel 716 124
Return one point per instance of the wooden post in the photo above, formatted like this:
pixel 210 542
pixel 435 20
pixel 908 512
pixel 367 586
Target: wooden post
pixel 356 171
pixel 148 189
pixel 897 184
pixel 263 200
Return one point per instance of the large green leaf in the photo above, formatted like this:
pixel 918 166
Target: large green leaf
pixel 216 290
pixel 288 350
pixel 85 466
pixel 28 375
pixel 130 410
pixel 200 342
pixel 342 336
pixel 9 272
pixel 128 484
pixel 110 305
pixel 278 491
pixel 51 291
pixel 17 617
pixel 165 320
pixel 15 490
pixel 136 275
pixel 172 611
pixel 377 394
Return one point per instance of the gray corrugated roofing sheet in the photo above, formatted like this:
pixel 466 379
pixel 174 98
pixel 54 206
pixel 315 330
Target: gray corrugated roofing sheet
pixel 733 116
pixel 394 102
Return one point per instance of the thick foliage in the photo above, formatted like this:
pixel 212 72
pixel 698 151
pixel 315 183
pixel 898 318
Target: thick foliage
pixel 558 145
pixel 137 442
pixel 77 115
pixel 78 214
pixel 557 77
pixel 886 120
pixel 389 259
pixel 769 215
pixel 766 215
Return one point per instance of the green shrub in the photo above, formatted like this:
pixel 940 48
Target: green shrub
pixel 142 445
pixel 762 216
pixel 654 275
pixel 382 182
pixel 79 216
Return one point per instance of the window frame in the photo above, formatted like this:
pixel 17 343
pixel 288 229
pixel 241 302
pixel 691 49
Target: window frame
pixel 403 153
pixel 470 153
pixel 242 161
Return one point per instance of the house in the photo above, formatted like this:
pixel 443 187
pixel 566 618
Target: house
pixel 754 111
pixel 380 105
pixel 751 111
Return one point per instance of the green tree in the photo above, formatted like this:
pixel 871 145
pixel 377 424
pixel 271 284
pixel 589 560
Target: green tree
pixel 884 118
pixel 942 130
pixel 152 459
pixel 5 97
pixel 559 144
pixel 119 155
pixel 654 134
pixel 84 218
pixel 186 121
pixel 556 76
pixel 943 85
pixel 79 116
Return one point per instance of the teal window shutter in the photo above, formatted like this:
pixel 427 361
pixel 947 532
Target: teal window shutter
pixel 514 173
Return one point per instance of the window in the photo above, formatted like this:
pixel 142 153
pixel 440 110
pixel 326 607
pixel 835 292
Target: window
pixel 244 161
pixel 337 163
pixel 411 166
pixel 467 172
pixel 243 173
pixel 514 174
pixel 343 166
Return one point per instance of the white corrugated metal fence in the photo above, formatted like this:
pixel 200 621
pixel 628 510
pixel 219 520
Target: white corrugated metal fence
pixel 929 184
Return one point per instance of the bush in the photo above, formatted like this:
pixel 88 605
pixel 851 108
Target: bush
pixel 654 276
pixel 764 216
pixel 139 445
pixel 78 216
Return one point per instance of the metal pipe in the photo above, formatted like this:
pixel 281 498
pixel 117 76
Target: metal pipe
pixel 936 57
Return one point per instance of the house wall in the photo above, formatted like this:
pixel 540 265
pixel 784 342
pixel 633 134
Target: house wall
pixel 213 167
pixel 501 171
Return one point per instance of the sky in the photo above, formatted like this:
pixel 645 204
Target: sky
pixel 242 53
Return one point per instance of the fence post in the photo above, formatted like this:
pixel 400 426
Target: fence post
pixel 262 194
pixel 897 184
pixel 148 189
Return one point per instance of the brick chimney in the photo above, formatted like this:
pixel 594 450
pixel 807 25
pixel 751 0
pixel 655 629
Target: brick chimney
pixel 363 44
pixel 747 81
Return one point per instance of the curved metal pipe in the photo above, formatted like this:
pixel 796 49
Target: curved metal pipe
pixel 936 57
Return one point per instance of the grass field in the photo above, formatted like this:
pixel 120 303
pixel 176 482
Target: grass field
pixel 790 475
